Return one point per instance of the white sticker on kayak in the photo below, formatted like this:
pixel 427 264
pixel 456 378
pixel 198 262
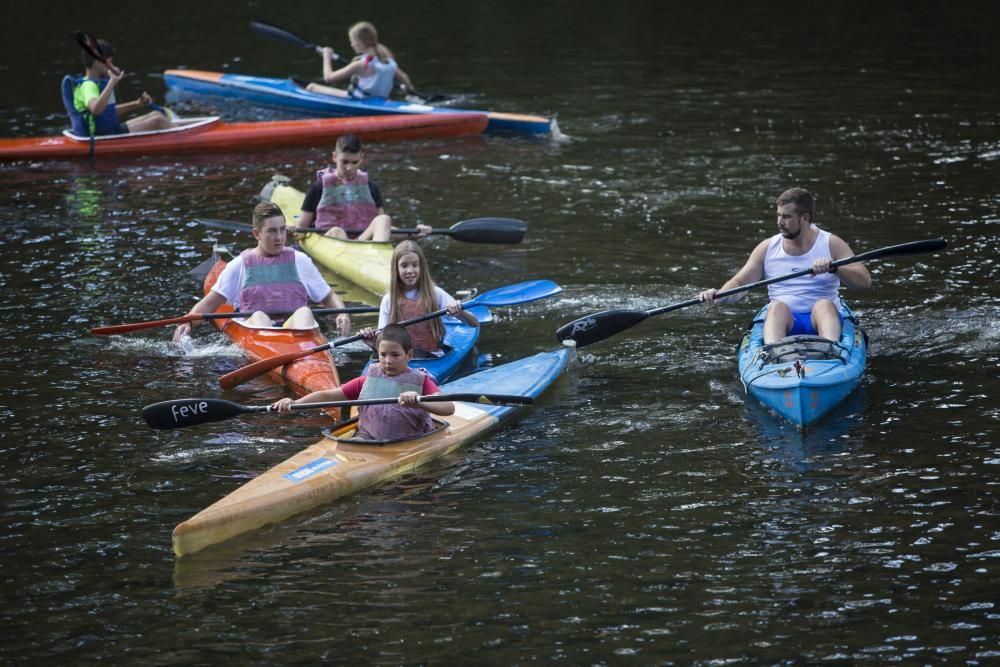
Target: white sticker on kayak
pixel 310 469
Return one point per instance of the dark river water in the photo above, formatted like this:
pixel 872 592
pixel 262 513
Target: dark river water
pixel 642 512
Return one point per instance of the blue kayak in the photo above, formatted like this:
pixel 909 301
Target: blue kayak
pixel 459 340
pixel 287 94
pixel 802 378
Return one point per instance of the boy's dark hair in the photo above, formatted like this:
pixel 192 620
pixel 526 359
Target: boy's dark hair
pixel 348 143
pixel 104 48
pixel 395 333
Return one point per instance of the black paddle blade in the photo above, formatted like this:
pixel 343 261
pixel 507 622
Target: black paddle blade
pixel 202 270
pixel 279 33
pixel 192 411
pixel 89 44
pixel 911 248
pixel 598 326
pixel 489 230
pixel 225 225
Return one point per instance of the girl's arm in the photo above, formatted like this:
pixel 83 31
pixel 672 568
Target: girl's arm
pixel 404 79
pixel 331 75
pixel 466 317
pixel 454 307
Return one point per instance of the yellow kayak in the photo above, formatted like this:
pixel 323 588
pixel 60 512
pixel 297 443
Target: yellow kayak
pixel 364 263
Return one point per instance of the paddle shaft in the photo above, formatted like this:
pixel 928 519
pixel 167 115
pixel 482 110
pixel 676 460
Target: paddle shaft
pixel 435 398
pixel 197 317
pixel 193 411
pixel 258 368
pixel 599 326
pixel 914 247
pixel 476 230
pixel 285 35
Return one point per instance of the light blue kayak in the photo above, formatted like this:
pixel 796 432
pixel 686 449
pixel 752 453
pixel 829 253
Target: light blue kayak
pixel 286 94
pixel 802 378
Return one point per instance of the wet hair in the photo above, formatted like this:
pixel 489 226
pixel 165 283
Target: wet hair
pixel 802 199
pixel 104 48
pixel 395 333
pixel 368 36
pixel 348 143
pixel 425 286
pixel 263 212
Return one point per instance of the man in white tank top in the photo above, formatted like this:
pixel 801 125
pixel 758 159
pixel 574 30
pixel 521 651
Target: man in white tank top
pixel 808 304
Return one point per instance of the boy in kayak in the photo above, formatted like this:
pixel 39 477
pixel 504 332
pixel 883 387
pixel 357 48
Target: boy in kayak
pixel 808 304
pixel 344 202
pixel 96 111
pixel 391 377
pixel 270 278
pixel 371 73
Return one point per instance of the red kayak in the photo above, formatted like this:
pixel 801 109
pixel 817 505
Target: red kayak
pixel 302 376
pixel 210 134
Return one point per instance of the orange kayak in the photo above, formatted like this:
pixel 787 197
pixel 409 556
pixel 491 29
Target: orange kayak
pixel 210 134
pixel 302 376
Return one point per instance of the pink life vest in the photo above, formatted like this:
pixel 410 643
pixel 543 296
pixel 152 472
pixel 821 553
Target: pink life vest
pixel 391 421
pixel 421 333
pixel 271 284
pixel 345 204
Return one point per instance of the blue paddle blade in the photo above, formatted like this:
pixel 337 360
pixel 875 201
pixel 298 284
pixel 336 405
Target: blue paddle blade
pixel 531 290
pixel 482 314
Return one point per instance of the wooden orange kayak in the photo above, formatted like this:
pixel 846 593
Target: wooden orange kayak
pixel 302 376
pixel 210 134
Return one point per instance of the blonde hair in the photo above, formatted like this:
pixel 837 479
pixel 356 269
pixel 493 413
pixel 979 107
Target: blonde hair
pixel 425 286
pixel 366 33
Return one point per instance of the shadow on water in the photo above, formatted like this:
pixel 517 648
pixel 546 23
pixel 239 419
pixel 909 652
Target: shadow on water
pixel 799 450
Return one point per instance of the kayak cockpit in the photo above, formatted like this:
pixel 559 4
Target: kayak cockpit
pixel 803 348
pixel 193 124
pixel 346 430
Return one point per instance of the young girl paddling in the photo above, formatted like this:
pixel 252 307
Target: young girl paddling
pixel 412 293
pixel 389 378
pixel 371 73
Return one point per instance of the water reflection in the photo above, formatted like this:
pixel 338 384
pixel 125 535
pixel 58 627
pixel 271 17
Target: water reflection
pixel 785 448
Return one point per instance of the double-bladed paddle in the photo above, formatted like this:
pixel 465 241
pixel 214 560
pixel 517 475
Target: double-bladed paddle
pixel 510 295
pixel 598 326
pixel 476 230
pixel 185 412
pixel 197 317
pixel 285 35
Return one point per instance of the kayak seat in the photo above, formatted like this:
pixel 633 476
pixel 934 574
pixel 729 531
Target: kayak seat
pixel 342 432
pixel 802 348
pixel 78 125
pixel 299 81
